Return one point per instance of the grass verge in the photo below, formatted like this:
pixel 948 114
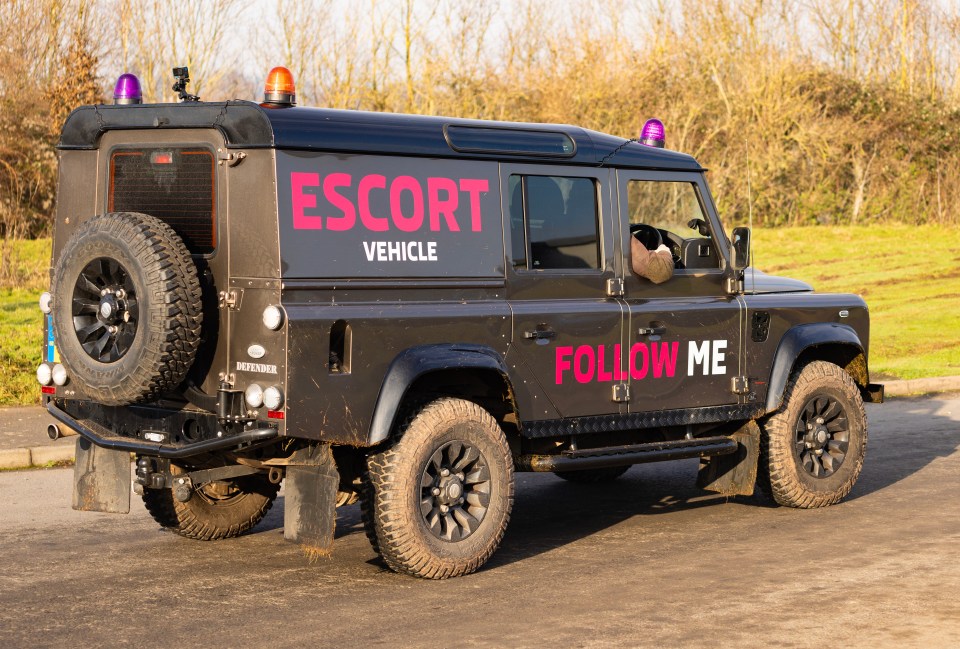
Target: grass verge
pixel 910 277
pixel 24 276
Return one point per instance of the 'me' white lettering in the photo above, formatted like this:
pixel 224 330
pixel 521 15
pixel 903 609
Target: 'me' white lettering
pixel 719 357
pixel 400 250
pixel 700 354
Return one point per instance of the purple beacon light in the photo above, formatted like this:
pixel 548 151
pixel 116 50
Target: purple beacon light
pixel 127 90
pixel 652 133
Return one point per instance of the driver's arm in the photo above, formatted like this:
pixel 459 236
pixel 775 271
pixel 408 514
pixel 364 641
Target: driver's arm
pixel 655 265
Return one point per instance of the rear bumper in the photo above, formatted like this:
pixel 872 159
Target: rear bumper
pixel 104 438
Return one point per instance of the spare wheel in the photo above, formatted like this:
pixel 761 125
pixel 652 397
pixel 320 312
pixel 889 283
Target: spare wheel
pixel 126 308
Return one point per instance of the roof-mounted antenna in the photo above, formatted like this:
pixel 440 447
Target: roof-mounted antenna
pixel 182 77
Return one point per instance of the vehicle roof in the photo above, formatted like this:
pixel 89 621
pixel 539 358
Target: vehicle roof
pixel 248 125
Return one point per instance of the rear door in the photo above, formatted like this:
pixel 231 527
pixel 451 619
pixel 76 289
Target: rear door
pixel 173 175
pixel 566 328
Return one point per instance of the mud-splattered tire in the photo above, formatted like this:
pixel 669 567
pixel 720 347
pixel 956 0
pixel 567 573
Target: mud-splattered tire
pixel 219 510
pixel 439 500
pixel 812 449
pixel 367 513
pixel 127 309
pixel 593 476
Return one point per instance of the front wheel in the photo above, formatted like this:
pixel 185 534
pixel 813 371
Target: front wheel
pixel 812 449
pixel 438 501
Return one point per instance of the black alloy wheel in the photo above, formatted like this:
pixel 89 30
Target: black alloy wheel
pixel 105 310
pixel 822 436
pixel 454 491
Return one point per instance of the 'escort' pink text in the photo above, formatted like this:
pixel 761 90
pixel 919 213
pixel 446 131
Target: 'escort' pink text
pixel 435 207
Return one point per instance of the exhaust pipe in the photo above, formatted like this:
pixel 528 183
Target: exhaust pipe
pixel 55 432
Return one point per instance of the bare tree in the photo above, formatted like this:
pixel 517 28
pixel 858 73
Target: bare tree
pixel 156 35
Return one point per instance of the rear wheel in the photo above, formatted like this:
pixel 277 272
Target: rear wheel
pixel 215 510
pixel 812 449
pixel 593 476
pixel 438 501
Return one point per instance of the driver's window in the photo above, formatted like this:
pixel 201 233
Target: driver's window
pixel 674 209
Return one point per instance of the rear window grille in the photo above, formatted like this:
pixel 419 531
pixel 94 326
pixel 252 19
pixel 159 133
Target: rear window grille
pixel 174 185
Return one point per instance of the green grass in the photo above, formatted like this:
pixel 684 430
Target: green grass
pixel 21 324
pixel 24 276
pixel 910 277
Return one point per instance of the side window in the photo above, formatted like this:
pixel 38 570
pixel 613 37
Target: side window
pixel 674 209
pixel 553 222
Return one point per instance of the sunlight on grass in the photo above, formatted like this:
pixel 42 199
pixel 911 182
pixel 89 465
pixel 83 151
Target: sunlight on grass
pixel 909 276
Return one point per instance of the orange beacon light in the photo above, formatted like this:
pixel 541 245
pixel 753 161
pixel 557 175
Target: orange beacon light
pixel 279 89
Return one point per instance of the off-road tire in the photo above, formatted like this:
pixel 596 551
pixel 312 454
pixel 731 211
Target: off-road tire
pixel 394 496
pixel 208 519
pixel 782 474
pixel 593 476
pixel 367 513
pixel 166 330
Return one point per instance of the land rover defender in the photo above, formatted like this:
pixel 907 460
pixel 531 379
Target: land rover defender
pixel 406 310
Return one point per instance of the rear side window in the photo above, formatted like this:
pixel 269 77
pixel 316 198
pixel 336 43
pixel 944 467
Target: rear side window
pixel 176 185
pixel 553 221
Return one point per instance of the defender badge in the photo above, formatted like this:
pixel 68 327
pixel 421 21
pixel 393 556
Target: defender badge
pixel 260 368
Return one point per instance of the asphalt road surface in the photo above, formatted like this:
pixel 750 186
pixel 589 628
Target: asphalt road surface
pixel 647 561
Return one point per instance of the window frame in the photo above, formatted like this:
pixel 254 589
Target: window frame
pixel 572 174
pixel 718 238
pixel 142 147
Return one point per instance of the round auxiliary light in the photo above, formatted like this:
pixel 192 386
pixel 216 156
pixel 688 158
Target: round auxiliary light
pixel 127 90
pixel 44 374
pixel 254 395
pixel 59 374
pixel 46 302
pixel 653 134
pixel 279 89
pixel 273 398
pixel 273 317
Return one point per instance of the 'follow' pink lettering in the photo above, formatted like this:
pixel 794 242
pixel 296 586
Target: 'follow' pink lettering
pixel 594 364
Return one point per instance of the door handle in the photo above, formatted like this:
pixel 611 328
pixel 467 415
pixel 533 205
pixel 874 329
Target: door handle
pixel 544 333
pixel 655 329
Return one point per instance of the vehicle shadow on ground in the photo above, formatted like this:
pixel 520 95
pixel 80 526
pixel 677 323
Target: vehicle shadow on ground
pixel 549 512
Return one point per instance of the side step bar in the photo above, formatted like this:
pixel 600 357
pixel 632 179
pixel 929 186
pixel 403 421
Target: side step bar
pixel 106 439
pixel 598 458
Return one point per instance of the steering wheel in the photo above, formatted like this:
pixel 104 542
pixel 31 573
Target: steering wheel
pixel 648 235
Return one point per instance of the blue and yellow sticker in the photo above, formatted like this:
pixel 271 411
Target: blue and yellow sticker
pixel 52 355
